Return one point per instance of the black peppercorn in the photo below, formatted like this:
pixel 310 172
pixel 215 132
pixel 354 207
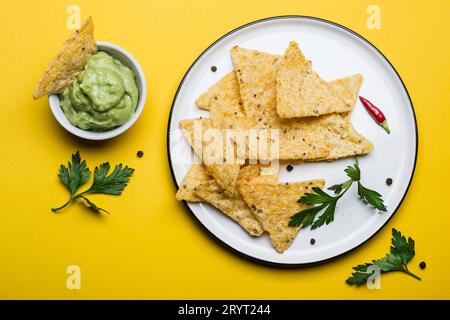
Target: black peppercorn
pixel 312 241
pixel 422 265
pixel 213 68
pixel 140 154
pixel 388 181
pixel 289 168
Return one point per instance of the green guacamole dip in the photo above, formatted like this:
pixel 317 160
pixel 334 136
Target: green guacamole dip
pixel 103 96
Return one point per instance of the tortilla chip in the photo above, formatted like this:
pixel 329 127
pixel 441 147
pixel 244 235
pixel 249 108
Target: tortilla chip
pixel 234 207
pixel 273 205
pixel 225 175
pixel 300 92
pixel 69 61
pixel 259 173
pixel 342 137
pixel 256 73
pixel 347 89
pixel 351 144
pixel 225 105
pixel 325 137
pixel 204 101
pixel 196 176
pixel 224 172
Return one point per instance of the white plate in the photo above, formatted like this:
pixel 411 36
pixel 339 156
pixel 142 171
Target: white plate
pixel 335 52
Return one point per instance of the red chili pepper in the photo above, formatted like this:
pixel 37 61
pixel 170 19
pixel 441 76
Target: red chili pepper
pixel 376 113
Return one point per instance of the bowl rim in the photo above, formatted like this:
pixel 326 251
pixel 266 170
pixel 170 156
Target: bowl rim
pixel 54 101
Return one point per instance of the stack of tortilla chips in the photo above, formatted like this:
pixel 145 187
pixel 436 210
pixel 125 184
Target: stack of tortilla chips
pixel 270 92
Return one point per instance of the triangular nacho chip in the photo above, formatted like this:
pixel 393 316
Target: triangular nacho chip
pixel 343 139
pixel 221 86
pixel 347 89
pixel 225 171
pixel 273 204
pixel 69 61
pixel 300 92
pixel 196 175
pixel 225 106
pixel 256 73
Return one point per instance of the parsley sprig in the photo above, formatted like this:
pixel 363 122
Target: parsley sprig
pixel 320 200
pixel 401 252
pixel 77 174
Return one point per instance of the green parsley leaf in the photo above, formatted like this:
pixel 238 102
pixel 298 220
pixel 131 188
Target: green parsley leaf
pixel 110 184
pixel 307 217
pixel 371 197
pixel 401 252
pixel 353 172
pixel 360 276
pixel 327 216
pixel 77 174
pixel 337 188
pixel 389 263
pixel 402 247
pixel 93 206
pixel 319 196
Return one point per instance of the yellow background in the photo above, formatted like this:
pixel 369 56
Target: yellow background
pixel 150 247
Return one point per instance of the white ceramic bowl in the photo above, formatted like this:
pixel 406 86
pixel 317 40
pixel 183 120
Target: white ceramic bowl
pixel 128 60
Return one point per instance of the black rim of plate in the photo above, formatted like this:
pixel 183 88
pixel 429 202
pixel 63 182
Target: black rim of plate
pixel 224 244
